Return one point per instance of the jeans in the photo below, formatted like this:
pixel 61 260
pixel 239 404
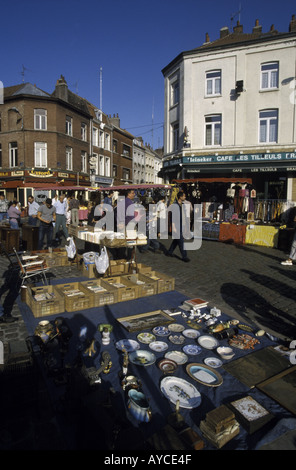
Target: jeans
pixel 47 230
pixel 74 216
pixel 14 224
pixel 3 215
pixel 32 221
pixel 60 220
pixel 180 243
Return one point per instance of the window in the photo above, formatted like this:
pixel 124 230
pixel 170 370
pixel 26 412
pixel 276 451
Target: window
pixel 101 139
pixel 175 93
pixel 125 173
pixel 125 150
pixel 40 119
pixel 83 132
pixel 114 171
pixel 13 161
pixel 268 125
pixel 175 136
pixel 101 166
pixel 107 141
pixel 95 136
pixel 115 146
pixel 213 129
pixel 213 82
pixel 69 158
pixel 69 129
pixel 95 165
pixel 40 154
pixel 107 166
pixel 269 75
pixel 83 162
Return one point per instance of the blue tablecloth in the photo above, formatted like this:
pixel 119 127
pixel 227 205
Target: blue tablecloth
pixel 150 377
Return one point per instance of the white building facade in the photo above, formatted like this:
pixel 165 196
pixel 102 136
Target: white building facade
pixel 230 111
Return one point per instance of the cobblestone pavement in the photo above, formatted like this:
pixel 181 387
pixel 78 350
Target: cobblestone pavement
pixel 245 282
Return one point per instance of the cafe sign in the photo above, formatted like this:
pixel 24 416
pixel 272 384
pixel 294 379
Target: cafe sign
pixel 236 158
pixel 40 173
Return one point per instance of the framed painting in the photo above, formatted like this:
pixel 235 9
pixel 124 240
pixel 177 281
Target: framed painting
pixel 145 321
pixel 282 388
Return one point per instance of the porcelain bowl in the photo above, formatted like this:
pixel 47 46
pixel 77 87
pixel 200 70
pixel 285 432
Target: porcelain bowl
pixel 225 352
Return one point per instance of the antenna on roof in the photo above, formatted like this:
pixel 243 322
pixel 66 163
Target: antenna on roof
pixel 238 13
pixel 23 72
pixel 101 86
pixel 76 87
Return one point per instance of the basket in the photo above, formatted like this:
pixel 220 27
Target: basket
pixel 43 308
pixel 146 286
pixel 99 298
pixel 164 283
pixel 126 290
pixel 75 298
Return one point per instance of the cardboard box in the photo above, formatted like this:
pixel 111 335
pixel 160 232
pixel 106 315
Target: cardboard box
pixel 51 302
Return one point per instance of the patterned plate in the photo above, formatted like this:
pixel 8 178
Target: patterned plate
pixel 161 331
pixel 176 327
pixel 128 345
pixel 146 338
pixel 192 349
pixel 158 346
pixel 177 356
pixel 176 339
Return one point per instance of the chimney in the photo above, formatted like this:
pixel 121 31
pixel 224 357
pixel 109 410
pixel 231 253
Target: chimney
pixel 238 29
pixel 207 38
pixel 115 120
pixel 257 28
pixel 61 89
pixel 224 32
pixel 292 26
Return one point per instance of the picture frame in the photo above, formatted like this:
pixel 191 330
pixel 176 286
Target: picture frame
pixel 145 321
pixel 281 388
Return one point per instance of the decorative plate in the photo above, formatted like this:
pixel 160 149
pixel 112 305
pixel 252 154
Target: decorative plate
pixel 158 346
pixel 128 345
pixel 190 333
pixel 146 338
pixel 175 389
pixel 167 366
pixel 204 375
pixel 192 349
pixel 176 327
pixel 176 339
pixel 208 342
pixel 142 358
pixel 161 331
pixel 213 362
pixel 178 356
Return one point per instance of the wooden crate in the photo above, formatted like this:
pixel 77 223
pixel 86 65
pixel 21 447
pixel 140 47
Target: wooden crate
pixel 146 285
pixel 143 268
pixel 99 298
pixel 43 308
pixel 73 303
pixel 56 259
pixel 164 283
pixel 118 266
pixel 126 290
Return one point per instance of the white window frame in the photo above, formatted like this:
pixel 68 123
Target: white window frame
pixel 40 154
pixel 101 139
pixel 69 126
pixel 107 141
pixel 107 166
pixel 13 154
pixel 213 122
pixel 213 83
pixel 96 165
pixel 40 119
pixel 267 116
pixel 83 162
pixel 175 93
pixel 83 131
pixel 269 77
pixel 101 165
pixel 95 136
pixel 69 158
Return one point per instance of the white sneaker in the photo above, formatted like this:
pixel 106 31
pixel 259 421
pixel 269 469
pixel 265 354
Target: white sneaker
pixel 288 262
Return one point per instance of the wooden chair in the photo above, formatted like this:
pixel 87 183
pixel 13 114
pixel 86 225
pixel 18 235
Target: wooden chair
pixel 30 266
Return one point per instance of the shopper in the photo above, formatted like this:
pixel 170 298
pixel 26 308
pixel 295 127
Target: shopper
pixel 161 216
pixel 74 208
pixel 33 208
pixel 177 232
pixel 61 207
pixel 14 214
pixel 3 207
pixel 46 215
pixel 151 225
pixel 292 256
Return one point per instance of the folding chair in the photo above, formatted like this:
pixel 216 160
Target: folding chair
pixel 31 266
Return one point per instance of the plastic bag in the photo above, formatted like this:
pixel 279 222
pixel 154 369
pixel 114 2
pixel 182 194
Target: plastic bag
pixel 102 261
pixel 71 249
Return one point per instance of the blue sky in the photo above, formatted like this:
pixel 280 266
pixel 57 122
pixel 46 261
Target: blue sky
pixel 131 40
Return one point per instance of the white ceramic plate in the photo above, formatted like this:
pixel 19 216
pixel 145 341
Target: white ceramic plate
pixel 208 342
pixel 176 327
pixel 158 346
pixel 161 331
pixel 175 389
pixel 142 358
pixel 192 349
pixel 127 345
pixel 176 339
pixel 213 362
pixel 190 333
pixel 146 338
pixel 177 356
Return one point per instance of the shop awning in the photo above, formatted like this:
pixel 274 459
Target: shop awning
pixel 126 187
pixel 215 180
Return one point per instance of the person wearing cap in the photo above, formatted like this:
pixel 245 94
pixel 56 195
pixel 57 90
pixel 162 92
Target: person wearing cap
pixel 46 216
